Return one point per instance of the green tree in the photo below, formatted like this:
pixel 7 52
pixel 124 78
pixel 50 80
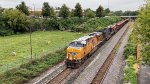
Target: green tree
pixel 143 29
pixel 111 14
pixel 118 13
pixel 127 13
pixel 132 13
pixel 45 10
pixel 52 12
pixel 64 11
pixel 78 11
pixel 4 30
pixel 89 13
pixel 106 11
pixel 72 13
pixel 1 10
pixel 23 8
pixel 100 11
pixel 144 22
pixel 85 11
pixel 16 21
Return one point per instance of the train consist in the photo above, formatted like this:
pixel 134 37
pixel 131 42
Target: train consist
pixel 80 49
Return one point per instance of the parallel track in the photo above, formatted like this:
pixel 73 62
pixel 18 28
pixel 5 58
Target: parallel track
pixel 100 76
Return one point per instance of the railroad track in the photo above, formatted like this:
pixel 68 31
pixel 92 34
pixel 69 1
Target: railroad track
pixel 59 78
pixel 68 75
pixel 100 76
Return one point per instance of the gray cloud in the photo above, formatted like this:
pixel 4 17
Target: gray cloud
pixel 93 4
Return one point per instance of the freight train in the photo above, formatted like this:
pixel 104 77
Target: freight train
pixel 80 49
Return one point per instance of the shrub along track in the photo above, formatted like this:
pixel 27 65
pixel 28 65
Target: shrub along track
pixel 100 76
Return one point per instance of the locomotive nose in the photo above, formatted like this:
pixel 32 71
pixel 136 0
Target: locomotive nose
pixel 72 55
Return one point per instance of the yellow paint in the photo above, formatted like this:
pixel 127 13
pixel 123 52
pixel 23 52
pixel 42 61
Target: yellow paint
pixel 138 51
pixel 138 56
pixel 82 52
pixel 136 67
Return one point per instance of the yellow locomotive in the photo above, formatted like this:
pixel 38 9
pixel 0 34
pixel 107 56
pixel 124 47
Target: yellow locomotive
pixel 79 50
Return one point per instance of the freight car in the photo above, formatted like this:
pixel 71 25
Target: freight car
pixel 80 49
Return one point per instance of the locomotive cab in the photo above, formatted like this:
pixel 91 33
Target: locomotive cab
pixel 74 50
pixel 77 51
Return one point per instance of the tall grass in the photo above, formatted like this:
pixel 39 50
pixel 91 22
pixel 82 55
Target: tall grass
pixel 42 42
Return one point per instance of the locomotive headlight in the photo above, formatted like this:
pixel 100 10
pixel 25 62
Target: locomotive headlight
pixel 75 53
pixel 67 57
pixel 72 53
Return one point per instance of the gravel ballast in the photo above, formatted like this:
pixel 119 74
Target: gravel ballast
pixel 115 71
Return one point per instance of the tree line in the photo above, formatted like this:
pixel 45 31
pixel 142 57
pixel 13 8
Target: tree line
pixel 18 20
pixel 125 13
pixel 14 21
pixel 64 11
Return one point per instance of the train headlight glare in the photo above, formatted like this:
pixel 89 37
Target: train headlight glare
pixel 67 57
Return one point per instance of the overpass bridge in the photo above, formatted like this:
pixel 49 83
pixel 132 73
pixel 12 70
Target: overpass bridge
pixel 125 17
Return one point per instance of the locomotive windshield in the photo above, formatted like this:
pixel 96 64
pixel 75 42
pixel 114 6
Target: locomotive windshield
pixel 76 44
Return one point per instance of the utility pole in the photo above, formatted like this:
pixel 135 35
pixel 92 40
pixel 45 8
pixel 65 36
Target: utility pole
pixel 108 3
pixel 31 41
pixel 34 9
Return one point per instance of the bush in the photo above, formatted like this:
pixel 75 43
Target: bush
pixel 53 24
pixel 4 29
pixel 130 60
pixel 130 49
pixel 71 23
pixel 13 22
pixel 90 14
pixel 37 24
pixel 130 75
pixel 130 53
pixel 146 54
pixel 96 24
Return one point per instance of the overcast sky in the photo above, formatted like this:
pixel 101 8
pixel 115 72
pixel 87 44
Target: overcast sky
pixel 93 4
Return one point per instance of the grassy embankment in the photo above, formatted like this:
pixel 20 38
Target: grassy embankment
pixel 43 43
pixel 130 58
